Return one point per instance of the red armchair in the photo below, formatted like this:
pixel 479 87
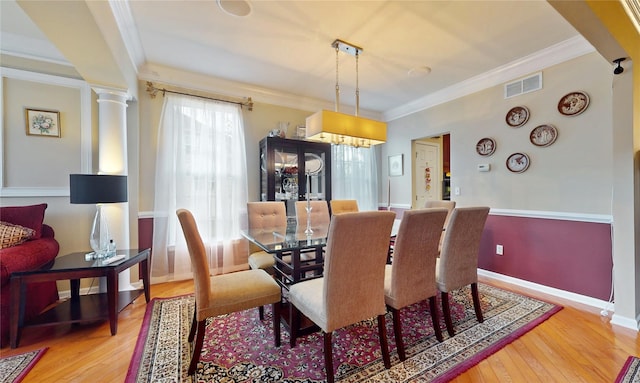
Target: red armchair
pixel 36 252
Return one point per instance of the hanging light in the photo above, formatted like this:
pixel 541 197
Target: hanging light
pixel 345 129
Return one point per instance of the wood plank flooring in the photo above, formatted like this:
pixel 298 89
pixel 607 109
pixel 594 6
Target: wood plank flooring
pixel 575 345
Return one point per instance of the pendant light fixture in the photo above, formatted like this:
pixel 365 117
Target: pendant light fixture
pixel 345 129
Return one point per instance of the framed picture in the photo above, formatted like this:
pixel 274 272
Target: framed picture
pixel 42 122
pixel 396 165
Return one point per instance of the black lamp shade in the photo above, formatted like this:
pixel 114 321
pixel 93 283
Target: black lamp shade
pixel 97 188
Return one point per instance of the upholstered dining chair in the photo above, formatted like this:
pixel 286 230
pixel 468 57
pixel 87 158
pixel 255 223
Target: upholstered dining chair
pixel 458 263
pixel 352 287
pixel 449 205
pixel 226 293
pixel 339 206
pixel 264 214
pixel 319 213
pixel 411 277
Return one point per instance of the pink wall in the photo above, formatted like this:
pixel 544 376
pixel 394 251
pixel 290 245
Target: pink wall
pixel 567 255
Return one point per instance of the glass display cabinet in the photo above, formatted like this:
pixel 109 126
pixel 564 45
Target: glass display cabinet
pixel 291 168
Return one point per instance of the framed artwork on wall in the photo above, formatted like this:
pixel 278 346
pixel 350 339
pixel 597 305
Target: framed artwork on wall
pixel 396 165
pixel 42 122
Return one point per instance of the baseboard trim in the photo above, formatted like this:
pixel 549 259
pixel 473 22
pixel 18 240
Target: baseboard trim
pixel 578 298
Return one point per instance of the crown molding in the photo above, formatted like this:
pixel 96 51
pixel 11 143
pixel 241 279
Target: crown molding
pixel 566 50
pixel 209 84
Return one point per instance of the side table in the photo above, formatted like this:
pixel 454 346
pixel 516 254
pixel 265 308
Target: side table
pixel 79 308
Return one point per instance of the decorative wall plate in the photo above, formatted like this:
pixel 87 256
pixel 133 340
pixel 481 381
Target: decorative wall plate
pixel 517 116
pixel 518 162
pixel 573 103
pixel 543 135
pixel 486 146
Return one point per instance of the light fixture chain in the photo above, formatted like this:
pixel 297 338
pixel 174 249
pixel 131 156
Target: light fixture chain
pixel 357 87
pixel 337 83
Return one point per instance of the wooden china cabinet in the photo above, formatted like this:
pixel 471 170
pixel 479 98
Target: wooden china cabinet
pixel 283 167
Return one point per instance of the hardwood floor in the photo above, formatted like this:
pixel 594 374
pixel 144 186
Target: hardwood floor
pixel 575 345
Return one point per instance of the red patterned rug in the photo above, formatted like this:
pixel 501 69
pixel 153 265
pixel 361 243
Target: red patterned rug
pixel 239 347
pixel 630 372
pixel 14 368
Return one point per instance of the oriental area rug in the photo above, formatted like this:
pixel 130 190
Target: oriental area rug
pixel 239 347
pixel 14 368
pixel 630 372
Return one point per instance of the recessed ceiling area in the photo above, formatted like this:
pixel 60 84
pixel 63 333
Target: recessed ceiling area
pixel 412 49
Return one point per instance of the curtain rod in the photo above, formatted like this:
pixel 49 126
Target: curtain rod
pixel 152 90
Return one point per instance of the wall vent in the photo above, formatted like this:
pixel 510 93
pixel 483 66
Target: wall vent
pixel 523 85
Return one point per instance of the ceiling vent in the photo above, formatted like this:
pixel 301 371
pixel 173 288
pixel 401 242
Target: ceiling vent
pixel 524 85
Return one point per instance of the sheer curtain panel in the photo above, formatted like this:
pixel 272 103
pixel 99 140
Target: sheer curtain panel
pixel 200 166
pixel 354 175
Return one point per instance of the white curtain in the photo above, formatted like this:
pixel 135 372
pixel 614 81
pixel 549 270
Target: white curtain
pixel 354 175
pixel 200 166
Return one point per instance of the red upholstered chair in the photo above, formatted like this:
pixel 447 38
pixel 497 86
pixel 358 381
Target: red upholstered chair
pixel 38 250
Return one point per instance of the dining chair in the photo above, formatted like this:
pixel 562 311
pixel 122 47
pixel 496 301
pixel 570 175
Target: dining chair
pixel 411 277
pixel 458 263
pixel 352 287
pixel 319 213
pixel 449 205
pixel 225 293
pixel 261 215
pixel 339 206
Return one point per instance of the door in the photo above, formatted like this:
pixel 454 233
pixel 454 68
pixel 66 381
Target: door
pixel 427 173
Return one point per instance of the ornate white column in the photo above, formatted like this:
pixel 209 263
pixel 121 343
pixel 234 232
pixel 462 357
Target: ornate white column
pixel 112 159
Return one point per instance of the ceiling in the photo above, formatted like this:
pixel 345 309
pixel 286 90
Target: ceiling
pixel 284 47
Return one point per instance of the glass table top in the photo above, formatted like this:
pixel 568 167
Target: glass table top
pixel 286 238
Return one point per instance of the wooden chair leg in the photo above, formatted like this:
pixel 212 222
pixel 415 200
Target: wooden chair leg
pixel 261 312
pixel 192 330
pixel 277 308
pixel 435 318
pixel 294 324
pixel 197 347
pixel 328 357
pixel 447 313
pixel 384 346
pixel 397 331
pixel 476 302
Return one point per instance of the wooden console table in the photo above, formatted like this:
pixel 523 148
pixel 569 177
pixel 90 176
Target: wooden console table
pixel 78 308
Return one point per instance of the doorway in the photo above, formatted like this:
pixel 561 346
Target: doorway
pixel 431 174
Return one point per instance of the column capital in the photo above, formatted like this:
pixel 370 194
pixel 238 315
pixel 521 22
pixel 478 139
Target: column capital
pixel 113 94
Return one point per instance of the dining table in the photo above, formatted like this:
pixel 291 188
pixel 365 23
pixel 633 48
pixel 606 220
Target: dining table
pixel 297 249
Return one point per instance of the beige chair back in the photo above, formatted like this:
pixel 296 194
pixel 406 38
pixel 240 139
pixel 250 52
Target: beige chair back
pixel 449 205
pixel 355 258
pixel 458 263
pixel 265 215
pixel 339 206
pixel 413 270
pixel 199 265
pixel 319 213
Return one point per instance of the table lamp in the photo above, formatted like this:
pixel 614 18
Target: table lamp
pixel 98 189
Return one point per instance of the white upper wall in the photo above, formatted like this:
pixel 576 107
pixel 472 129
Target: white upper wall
pixel 573 175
